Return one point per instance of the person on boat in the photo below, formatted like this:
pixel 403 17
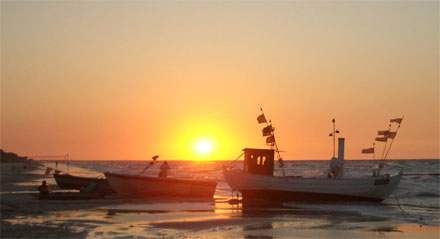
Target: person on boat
pixel 47 172
pixel 335 168
pixel 44 190
pixel 164 170
pixel 377 168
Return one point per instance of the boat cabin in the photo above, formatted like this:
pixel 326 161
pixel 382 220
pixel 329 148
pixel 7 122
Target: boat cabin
pixel 259 161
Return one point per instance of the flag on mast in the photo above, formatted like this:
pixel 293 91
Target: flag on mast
pixel 392 135
pixel 336 131
pixel 270 140
pixel 261 119
pixel 268 130
pixel 396 120
pixel 381 139
pixel 368 151
pixel 383 132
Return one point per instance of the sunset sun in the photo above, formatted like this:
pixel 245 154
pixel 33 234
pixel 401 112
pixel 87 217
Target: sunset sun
pixel 219 119
pixel 204 147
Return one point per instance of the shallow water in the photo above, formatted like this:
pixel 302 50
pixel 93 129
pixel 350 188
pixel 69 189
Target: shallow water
pixel 412 211
pixel 418 195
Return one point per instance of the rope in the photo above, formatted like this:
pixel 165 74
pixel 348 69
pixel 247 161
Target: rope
pixel 147 167
pixel 420 219
pixel 233 161
pixel 400 207
pixel 392 139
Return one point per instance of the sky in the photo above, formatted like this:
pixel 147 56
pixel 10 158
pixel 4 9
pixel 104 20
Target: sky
pixel 185 80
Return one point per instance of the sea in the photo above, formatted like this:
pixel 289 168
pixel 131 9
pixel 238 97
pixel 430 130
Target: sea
pixel 413 206
pixel 418 193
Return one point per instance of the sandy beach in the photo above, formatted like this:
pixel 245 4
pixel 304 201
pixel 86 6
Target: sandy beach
pixel 24 216
pixel 290 119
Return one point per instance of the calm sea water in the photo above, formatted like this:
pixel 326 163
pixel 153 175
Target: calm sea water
pixel 417 198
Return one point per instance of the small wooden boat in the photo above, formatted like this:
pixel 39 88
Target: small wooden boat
pixel 148 187
pixel 67 181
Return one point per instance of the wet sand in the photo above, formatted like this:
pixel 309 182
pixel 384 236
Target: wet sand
pixel 24 216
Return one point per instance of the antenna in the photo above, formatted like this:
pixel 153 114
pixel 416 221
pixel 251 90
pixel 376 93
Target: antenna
pixel 334 132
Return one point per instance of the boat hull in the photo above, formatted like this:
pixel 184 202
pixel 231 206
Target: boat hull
pixel 149 187
pixel 260 187
pixel 67 181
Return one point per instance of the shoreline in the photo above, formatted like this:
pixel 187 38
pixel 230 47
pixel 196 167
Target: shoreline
pixel 24 216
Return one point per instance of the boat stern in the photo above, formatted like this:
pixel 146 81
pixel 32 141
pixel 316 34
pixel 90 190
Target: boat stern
pixel 385 185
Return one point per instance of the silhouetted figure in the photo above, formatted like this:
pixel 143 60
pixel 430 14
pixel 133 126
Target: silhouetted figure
pixel 44 190
pixel 335 168
pixel 164 170
pixel 377 168
pixel 47 172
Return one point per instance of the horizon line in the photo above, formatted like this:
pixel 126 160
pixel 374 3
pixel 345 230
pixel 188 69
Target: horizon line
pixel 212 160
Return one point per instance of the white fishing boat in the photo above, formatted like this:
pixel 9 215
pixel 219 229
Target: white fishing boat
pixel 256 181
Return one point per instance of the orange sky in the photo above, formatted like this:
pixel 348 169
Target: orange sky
pixel 127 80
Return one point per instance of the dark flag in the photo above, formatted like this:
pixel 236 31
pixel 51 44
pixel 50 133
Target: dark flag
pixel 268 130
pixel 392 135
pixel 155 157
pixel 383 132
pixel 270 140
pixel 396 120
pixel 261 119
pixel 381 139
pixel 368 151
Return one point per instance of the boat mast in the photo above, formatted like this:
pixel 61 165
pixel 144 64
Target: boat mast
pixel 392 140
pixel 374 150
pixel 334 136
pixel 335 131
pixel 67 157
pixel 274 143
pixel 273 134
pixel 386 143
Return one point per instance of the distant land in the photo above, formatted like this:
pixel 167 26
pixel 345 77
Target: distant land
pixel 9 157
